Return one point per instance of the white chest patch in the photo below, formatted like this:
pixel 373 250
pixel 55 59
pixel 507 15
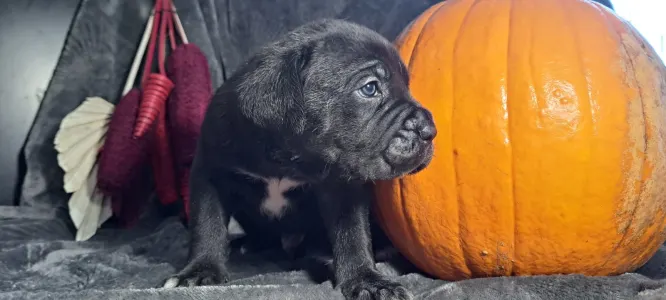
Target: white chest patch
pixel 275 204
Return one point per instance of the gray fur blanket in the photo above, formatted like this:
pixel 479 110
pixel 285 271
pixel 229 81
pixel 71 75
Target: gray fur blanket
pixel 40 260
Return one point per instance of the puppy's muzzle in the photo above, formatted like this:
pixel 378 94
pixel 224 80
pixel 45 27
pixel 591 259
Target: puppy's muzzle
pixel 410 150
pixel 421 123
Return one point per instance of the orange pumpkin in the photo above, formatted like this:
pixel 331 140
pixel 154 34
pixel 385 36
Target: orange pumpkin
pixel 551 153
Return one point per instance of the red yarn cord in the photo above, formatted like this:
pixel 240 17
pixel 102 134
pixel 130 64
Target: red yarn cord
pixel 172 35
pixel 151 45
pixel 162 50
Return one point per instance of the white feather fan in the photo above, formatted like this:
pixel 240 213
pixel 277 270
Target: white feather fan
pixel 78 141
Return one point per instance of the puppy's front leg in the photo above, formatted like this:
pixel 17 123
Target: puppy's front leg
pixel 345 209
pixel 209 244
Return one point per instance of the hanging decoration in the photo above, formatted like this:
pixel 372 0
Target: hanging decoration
pixel 109 152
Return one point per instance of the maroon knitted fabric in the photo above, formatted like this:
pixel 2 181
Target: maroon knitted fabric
pixel 188 68
pixel 128 205
pixel 123 157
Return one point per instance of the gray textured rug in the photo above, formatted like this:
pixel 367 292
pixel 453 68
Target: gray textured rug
pixel 39 260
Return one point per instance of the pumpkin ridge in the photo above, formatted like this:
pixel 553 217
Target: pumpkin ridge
pixel 463 269
pixel 589 112
pixel 413 236
pixel 528 75
pixel 652 57
pixel 466 254
pixel 414 49
pixel 401 39
pixel 599 7
pixel 510 137
pixel 632 73
pixel 411 229
pixel 584 68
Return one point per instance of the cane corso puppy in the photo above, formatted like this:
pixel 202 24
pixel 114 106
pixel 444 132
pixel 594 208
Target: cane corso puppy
pixel 290 143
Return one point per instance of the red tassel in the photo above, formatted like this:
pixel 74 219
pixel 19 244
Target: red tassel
pixel 130 203
pixel 188 68
pixel 123 157
pixel 162 162
pixel 155 93
pixel 156 87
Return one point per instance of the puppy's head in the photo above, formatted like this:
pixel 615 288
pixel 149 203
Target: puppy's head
pixel 338 92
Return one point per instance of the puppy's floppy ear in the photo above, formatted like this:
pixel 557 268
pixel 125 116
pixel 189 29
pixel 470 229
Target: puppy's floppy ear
pixel 299 58
pixel 272 94
pixel 296 61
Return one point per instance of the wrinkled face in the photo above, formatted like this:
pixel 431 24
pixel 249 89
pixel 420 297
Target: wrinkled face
pixel 363 120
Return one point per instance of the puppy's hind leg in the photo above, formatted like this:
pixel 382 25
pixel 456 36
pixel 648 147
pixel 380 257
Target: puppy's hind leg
pixel 345 209
pixel 209 244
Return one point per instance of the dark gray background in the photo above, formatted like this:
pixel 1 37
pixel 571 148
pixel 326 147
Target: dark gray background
pixel 32 34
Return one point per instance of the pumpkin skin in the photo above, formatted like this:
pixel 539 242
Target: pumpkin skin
pixel 550 155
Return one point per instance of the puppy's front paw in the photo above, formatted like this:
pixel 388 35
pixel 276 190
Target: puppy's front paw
pixel 371 285
pixel 199 272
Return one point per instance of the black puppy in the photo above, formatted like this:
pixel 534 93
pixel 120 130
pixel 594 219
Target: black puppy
pixel 292 139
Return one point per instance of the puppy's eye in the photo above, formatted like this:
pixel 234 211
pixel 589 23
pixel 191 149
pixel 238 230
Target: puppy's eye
pixel 370 89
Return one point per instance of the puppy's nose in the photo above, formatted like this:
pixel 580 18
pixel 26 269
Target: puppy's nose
pixel 422 123
pixel 428 132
